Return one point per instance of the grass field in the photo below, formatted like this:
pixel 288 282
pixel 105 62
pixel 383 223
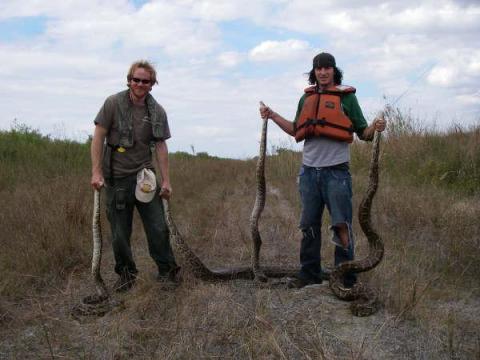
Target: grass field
pixel 426 210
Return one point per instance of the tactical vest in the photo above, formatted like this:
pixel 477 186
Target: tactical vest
pixel 124 119
pixel 322 115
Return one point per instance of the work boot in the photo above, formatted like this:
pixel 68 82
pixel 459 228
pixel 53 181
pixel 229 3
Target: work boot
pixel 325 274
pixel 125 282
pixel 172 276
pixel 298 282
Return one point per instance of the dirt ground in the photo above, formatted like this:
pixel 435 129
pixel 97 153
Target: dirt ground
pixel 228 320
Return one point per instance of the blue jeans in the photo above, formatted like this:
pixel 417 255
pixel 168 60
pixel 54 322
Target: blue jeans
pixel 320 187
pixel 121 202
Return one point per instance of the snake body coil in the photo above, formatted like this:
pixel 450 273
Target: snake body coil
pixel 365 299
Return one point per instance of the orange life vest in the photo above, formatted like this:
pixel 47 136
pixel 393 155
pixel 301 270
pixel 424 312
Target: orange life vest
pixel 322 115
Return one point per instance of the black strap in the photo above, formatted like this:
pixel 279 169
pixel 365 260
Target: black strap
pixel 113 148
pixel 323 122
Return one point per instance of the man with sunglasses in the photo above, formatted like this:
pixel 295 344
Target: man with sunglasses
pixel 128 127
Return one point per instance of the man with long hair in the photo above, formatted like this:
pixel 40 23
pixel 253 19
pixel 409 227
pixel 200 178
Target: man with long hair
pixel 327 115
pixel 128 126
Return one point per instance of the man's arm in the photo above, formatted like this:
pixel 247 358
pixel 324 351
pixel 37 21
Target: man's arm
pixel 284 124
pixel 161 154
pixel 96 151
pixel 378 124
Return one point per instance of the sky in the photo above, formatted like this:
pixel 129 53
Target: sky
pixel 217 59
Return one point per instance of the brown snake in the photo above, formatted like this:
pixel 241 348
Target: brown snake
pixel 261 273
pixel 365 299
pixel 259 205
pixel 100 303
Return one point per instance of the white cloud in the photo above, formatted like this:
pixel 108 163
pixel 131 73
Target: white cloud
pixel 279 51
pixel 230 58
pixel 211 131
pixel 375 18
pixel 342 21
pixel 470 99
pixel 96 25
pixel 473 66
pixel 443 75
pixel 223 10
pixel 459 69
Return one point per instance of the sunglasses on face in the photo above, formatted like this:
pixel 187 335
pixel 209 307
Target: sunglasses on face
pixel 143 81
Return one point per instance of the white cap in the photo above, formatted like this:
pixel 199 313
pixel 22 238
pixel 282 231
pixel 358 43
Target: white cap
pixel 146 185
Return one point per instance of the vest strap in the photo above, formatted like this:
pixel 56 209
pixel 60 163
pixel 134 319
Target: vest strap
pixel 324 122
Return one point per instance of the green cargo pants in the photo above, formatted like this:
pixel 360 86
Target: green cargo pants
pixel 120 204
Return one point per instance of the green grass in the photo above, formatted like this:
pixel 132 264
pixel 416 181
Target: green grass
pixel 26 156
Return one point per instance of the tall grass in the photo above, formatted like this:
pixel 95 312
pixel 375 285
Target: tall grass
pixel 421 156
pixel 45 212
pixel 26 156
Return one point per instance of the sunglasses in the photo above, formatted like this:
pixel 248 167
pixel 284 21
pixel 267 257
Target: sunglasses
pixel 143 81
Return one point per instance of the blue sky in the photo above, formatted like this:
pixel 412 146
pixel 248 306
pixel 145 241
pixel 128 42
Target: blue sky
pixel 217 59
pixel 22 28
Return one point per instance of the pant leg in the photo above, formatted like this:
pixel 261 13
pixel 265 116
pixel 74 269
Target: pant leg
pixel 310 224
pixel 156 230
pixel 120 204
pixel 338 198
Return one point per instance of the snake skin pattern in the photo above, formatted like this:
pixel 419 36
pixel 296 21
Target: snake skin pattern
pixel 98 304
pixel 192 263
pixel 196 267
pixel 100 287
pixel 365 298
pixel 258 207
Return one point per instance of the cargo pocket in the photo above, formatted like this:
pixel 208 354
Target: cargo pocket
pixel 120 198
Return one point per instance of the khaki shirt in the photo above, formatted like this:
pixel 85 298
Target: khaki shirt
pixel 137 157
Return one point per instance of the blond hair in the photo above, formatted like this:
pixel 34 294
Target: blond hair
pixel 144 64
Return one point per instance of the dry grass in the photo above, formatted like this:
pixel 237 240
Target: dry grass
pixel 428 280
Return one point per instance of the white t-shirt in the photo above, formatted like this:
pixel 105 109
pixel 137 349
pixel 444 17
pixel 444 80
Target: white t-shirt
pixel 322 152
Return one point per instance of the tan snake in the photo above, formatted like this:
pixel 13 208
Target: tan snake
pixel 100 303
pixel 259 205
pixel 366 300
pixel 196 267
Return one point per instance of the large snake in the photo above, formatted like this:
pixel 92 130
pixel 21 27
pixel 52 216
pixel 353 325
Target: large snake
pixel 100 303
pixel 259 205
pixel 192 263
pixel 196 267
pixel 366 300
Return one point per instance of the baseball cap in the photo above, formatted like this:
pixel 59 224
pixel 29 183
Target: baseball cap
pixel 323 60
pixel 146 185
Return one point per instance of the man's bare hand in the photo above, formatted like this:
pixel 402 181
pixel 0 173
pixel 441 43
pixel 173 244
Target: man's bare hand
pixel 379 124
pixel 265 111
pixel 97 181
pixel 165 191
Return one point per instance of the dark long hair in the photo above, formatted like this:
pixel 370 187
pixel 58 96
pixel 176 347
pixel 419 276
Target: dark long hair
pixel 337 76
